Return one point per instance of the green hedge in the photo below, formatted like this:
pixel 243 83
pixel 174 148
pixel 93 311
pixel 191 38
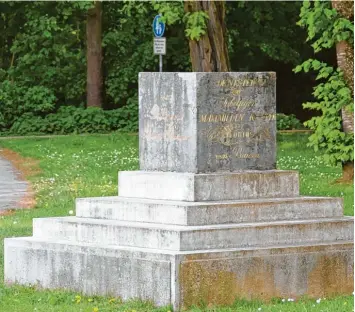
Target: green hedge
pixel 71 119
pixel 287 122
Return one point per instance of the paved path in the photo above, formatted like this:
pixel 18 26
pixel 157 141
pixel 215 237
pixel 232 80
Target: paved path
pixel 12 188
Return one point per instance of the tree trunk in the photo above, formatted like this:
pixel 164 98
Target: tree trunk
pixel 94 56
pixel 345 61
pixel 210 52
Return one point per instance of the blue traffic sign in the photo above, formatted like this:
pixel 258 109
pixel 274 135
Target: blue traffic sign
pixel 158 27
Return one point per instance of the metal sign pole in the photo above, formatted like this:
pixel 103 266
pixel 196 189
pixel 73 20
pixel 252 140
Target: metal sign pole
pixel 160 63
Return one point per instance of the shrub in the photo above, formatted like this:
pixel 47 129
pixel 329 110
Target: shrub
pixel 287 122
pixel 69 119
pixel 16 100
pixel 28 123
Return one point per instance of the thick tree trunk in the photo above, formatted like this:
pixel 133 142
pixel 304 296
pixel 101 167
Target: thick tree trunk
pixel 94 56
pixel 210 52
pixel 345 61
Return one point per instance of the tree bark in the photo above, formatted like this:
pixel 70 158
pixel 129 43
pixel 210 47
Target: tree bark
pixel 94 56
pixel 210 52
pixel 342 61
pixel 345 61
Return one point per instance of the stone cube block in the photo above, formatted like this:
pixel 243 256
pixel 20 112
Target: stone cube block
pixel 207 122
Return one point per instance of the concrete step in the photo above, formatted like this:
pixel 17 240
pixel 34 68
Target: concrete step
pixel 177 277
pixel 245 184
pixel 177 237
pixel 206 213
pixel 88 268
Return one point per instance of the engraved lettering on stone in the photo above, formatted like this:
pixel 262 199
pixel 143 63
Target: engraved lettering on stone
pixel 241 153
pixel 229 135
pixel 222 156
pixel 237 102
pixel 233 83
pixel 221 117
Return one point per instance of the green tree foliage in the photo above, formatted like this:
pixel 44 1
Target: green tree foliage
pixel 325 28
pixel 256 30
pixel 48 50
pixel 128 45
pixel 261 30
pixel 47 66
pixel 43 48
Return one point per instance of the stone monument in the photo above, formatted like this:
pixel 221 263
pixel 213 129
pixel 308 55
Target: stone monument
pixel 208 218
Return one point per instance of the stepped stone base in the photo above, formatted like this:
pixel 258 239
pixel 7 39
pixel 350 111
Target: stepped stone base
pixel 182 278
pixel 248 184
pixel 175 237
pixel 205 213
pixel 185 239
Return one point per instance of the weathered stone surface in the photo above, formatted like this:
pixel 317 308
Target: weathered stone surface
pixel 175 237
pixel 204 187
pixel 90 269
pixel 290 272
pixel 206 213
pixel 182 278
pixel 207 122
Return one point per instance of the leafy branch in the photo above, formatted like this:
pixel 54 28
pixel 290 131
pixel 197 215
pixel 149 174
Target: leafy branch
pixel 325 27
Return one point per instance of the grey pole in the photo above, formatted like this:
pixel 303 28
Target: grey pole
pixel 160 63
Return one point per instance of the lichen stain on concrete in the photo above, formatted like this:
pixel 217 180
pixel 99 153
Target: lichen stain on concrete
pixel 214 283
pixel 258 282
pixel 201 283
pixel 221 282
pixel 331 276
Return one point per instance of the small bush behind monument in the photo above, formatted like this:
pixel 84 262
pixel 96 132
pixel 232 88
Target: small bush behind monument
pixel 287 122
pixel 69 119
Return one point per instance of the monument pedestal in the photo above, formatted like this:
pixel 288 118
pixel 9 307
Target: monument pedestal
pixel 187 252
pixel 246 184
pixel 185 231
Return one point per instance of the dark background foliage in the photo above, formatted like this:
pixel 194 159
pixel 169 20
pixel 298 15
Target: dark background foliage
pixel 43 60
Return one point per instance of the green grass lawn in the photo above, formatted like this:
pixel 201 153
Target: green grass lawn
pixel 87 166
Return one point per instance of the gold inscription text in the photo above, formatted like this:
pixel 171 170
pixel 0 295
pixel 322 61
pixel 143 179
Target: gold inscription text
pixel 234 83
pixel 221 117
pixel 222 156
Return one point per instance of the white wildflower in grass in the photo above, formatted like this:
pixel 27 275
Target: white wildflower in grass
pixel 71 212
pixel 283 300
pixel 259 309
pixel 318 300
pixel 15 222
pixel 290 300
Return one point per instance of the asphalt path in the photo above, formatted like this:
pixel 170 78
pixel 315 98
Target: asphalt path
pixel 12 188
